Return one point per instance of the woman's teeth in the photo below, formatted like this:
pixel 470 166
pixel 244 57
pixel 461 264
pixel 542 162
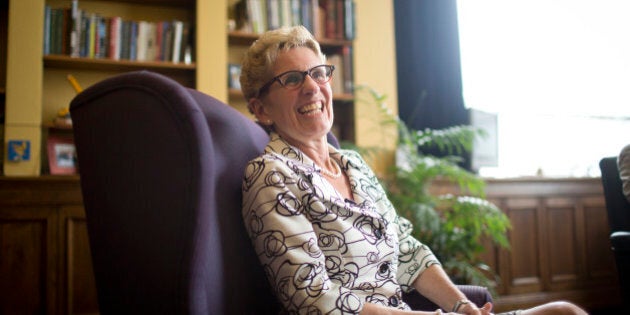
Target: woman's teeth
pixel 309 108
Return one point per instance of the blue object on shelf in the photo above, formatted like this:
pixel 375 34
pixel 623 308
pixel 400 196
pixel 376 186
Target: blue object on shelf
pixel 19 150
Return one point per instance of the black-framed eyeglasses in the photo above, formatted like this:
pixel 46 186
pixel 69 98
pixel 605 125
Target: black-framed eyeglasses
pixel 294 79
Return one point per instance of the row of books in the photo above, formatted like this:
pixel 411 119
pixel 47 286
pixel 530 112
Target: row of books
pixel 332 19
pixel 77 33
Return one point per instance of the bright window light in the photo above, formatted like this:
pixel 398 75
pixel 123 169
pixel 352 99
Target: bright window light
pixel 556 73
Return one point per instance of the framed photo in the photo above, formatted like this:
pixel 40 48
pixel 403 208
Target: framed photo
pixel 62 155
pixel 234 73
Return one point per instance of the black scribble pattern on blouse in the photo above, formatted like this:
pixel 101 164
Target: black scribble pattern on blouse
pixel 324 254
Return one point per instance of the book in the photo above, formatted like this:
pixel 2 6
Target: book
pixel 75 32
pixel 296 16
pixel 178 29
pixel 306 14
pixel 184 45
pixel 285 13
pixel 330 26
pixel 101 41
pixel 115 25
pixel 159 37
pixel 348 69
pixel 133 40
pixel 337 83
pixel 124 39
pixel 142 41
pixel 273 14
pixel 349 23
pixel 167 42
pixel 92 35
pixel 84 40
pixel 47 27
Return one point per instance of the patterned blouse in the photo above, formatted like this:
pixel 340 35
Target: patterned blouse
pixel 324 254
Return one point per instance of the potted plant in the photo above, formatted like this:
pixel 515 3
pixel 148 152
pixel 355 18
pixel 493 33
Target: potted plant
pixel 455 226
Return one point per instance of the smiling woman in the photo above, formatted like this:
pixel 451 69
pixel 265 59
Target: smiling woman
pixel 556 74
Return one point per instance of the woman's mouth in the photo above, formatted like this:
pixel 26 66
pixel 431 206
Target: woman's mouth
pixel 309 109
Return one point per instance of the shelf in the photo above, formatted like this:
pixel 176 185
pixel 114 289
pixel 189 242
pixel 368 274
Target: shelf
pixel 56 126
pixel 63 61
pixel 244 39
pixel 166 3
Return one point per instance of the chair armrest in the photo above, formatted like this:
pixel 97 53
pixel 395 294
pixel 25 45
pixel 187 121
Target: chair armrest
pixel 477 294
pixel 620 241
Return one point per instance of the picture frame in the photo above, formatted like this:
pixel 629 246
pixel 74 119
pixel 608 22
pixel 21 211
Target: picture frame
pixel 234 73
pixel 62 155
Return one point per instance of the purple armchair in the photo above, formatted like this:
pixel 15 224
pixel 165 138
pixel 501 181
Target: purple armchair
pixel 161 168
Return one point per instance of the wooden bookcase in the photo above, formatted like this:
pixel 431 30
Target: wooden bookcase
pixel 37 87
pixel 45 251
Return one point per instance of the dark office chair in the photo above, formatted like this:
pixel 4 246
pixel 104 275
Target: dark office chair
pixel 618 209
pixel 161 168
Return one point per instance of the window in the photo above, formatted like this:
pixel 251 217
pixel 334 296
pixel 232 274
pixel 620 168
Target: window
pixel 556 73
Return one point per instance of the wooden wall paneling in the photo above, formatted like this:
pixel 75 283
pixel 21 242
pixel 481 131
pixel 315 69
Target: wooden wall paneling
pixel 597 253
pixel 28 265
pixel 562 247
pixel 522 264
pixel 559 245
pixel 80 286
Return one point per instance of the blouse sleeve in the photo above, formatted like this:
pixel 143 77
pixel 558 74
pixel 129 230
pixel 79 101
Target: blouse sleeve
pixel 286 244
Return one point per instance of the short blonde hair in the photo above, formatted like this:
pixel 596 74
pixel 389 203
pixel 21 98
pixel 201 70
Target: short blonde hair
pixel 262 54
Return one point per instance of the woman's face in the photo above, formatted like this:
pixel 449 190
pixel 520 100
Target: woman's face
pixel 303 114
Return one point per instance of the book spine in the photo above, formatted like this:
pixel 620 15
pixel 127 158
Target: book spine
pixel 349 24
pixel 47 27
pixel 177 40
pixel 348 68
pixel 114 37
pixel 75 41
pixel 159 38
pixel 84 36
pixel 103 40
pixel 124 39
pixel 307 15
pixel 133 40
pixel 296 16
pixel 66 30
pixel 285 13
pixel 142 41
pixel 168 42
pixel 183 45
pixel 273 14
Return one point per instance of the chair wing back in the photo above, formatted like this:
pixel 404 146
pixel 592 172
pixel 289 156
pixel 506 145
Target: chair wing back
pixel 161 167
pixel 616 203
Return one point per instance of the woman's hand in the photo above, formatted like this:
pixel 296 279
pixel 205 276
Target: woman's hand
pixel 472 309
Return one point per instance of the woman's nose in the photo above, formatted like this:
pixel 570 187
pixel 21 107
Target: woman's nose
pixel 310 85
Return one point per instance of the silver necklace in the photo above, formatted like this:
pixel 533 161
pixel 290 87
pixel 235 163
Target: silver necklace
pixel 330 174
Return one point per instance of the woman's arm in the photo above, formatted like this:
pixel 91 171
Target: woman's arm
pixel 435 284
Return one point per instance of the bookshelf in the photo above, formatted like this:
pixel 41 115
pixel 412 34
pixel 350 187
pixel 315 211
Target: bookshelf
pixel 55 276
pixel 37 86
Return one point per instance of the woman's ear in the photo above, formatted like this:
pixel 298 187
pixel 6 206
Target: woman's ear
pixel 256 107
